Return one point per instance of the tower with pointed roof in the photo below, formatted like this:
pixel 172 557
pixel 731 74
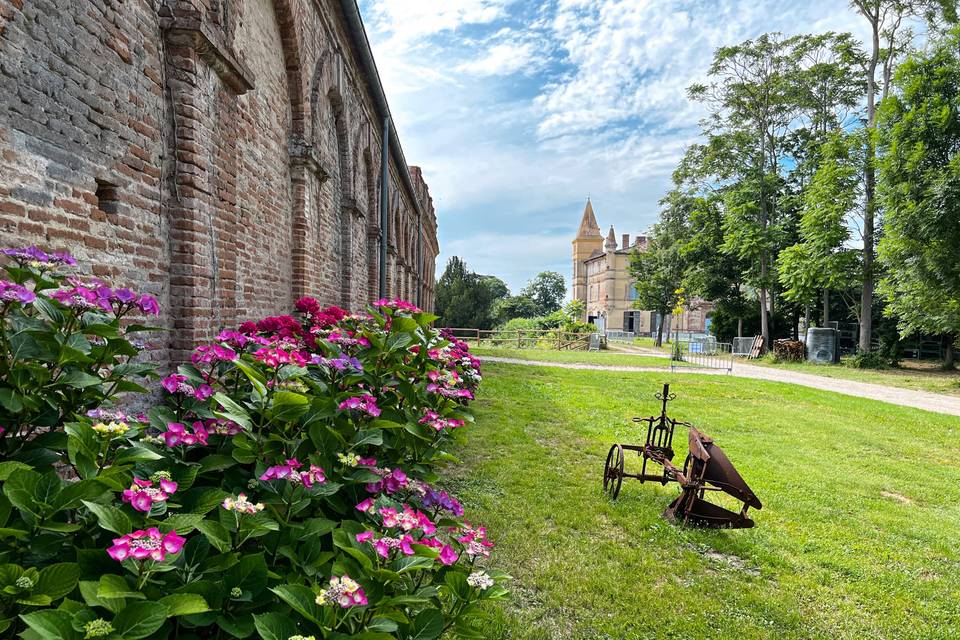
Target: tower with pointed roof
pixel 588 242
pixel 603 281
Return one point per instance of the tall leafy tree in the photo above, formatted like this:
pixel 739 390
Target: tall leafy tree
pixel 466 299
pixel 659 270
pixel 753 106
pixel 547 291
pixel 890 38
pixel 828 85
pixel 920 193
pixel 823 259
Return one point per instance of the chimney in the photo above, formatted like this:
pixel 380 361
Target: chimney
pixel 626 240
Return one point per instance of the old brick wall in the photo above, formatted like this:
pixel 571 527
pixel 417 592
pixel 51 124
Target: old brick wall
pixel 221 155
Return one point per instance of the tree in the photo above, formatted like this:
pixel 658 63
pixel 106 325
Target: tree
pixel 889 39
pixel 466 299
pixel 752 109
pixel 515 307
pixel 828 84
pixel 822 260
pixel 658 271
pixel 547 291
pixel 919 190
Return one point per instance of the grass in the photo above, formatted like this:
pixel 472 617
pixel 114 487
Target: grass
pixel 857 537
pixel 581 357
pixel 920 375
pixel 651 343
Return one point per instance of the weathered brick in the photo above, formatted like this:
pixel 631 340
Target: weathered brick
pixel 188 191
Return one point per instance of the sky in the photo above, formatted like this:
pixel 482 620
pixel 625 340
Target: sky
pixel 518 110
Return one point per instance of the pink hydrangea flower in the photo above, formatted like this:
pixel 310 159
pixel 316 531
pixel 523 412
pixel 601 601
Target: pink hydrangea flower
pixel 177 383
pixel 282 471
pixel 475 541
pixel 289 472
pixel 276 356
pixel 447 555
pixel 390 517
pixel 313 475
pixel 10 292
pixel 366 536
pixel 364 403
pixel 366 506
pixel 433 419
pixel 343 591
pixel 211 353
pixel 143 545
pixel 391 482
pixel 178 434
pixel 142 494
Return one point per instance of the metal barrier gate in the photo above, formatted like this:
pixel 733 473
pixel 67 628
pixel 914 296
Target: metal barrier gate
pixel 702 354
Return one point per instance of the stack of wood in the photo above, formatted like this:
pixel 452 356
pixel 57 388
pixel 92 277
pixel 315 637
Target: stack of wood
pixel 788 350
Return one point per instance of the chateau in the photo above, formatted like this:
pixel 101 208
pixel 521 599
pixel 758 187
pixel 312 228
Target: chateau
pixel 601 278
pixel 225 156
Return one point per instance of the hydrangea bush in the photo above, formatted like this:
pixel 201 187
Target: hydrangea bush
pixel 284 489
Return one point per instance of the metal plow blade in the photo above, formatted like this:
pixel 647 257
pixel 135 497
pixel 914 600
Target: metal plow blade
pixel 708 469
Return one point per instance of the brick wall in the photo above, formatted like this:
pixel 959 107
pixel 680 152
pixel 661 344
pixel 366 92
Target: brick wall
pixel 222 156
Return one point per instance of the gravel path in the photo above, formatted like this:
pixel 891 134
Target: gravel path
pixel 894 395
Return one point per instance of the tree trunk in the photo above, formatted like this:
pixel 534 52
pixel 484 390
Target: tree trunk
pixel 826 307
pixel 869 191
pixel 949 353
pixel 659 341
pixel 764 320
pixel 806 317
pixel 740 327
pixel 866 297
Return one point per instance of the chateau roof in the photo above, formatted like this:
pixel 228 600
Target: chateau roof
pixel 588 223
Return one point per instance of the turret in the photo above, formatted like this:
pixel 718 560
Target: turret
pixel 611 243
pixel 588 241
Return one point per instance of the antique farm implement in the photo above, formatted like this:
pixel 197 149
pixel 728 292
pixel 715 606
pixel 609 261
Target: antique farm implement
pixel 706 468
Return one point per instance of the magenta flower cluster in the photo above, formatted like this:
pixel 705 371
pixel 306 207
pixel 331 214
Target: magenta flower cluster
pixel 176 383
pixel 212 353
pixel 178 433
pixel 97 295
pixel 143 545
pixel 365 403
pixel 33 255
pixel 142 494
pixel 390 481
pixel 435 421
pixel 10 292
pixel 290 472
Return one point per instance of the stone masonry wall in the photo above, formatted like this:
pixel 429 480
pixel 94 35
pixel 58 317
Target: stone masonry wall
pixel 222 155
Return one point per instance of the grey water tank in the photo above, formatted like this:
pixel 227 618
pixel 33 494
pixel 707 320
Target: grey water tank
pixel 821 345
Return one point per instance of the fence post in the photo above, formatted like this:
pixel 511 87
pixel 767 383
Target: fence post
pixel 519 336
pixel 559 338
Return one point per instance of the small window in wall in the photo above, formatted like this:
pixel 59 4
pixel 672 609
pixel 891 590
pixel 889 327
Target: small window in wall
pixel 106 196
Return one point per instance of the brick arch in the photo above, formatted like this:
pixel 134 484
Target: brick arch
pixel 328 104
pixel 293 61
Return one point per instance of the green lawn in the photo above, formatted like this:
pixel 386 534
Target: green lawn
pixel 584 357
pixel 651 343
pixel 858 537
pixel 922 375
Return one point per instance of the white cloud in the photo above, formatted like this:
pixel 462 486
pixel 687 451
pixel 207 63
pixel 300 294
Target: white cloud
pixel 502 59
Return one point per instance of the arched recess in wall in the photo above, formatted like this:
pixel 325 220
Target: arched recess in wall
pixel 297 91
pixel 335 199
pixel 343 235
pixel 373 227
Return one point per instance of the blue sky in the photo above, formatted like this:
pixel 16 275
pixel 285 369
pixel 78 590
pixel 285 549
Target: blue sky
pixel 516 110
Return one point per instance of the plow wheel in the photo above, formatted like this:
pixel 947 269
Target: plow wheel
pixel 613 472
